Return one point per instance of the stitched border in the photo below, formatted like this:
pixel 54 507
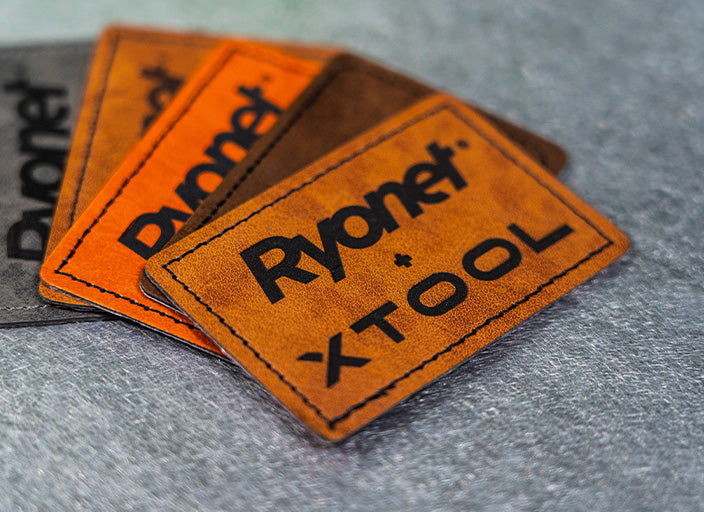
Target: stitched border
pixel 91 132
pixel 155 38
pixel 410 86
pixel 331 422
pixel 217 69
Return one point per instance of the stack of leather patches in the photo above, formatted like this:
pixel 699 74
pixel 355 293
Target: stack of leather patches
pixel 343 232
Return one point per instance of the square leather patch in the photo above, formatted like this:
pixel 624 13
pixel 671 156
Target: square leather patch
pixel 40 87
pixel 360 279
pixel 230 101
pixel 351 94
pixel 135 73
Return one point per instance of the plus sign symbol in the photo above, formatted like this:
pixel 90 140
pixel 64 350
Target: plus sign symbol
pixel 402 260
pixel 336 359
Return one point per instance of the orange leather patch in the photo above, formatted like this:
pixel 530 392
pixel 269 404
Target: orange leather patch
pixel 133 76
pixel 360 279
pixel 135 73
pixel 230 101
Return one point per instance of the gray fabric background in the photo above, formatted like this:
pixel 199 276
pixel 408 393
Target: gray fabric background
pixel 595 403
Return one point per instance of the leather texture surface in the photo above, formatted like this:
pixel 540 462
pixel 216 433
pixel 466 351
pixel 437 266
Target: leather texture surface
pixel 360 279
pixel 231 100
pixel 350 95
pixel 592 404
pixel 40 89
pixel 134 74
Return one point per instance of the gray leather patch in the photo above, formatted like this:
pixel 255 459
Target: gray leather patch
pixel 40 88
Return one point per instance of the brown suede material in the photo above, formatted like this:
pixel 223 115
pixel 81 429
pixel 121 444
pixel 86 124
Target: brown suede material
pixel 349 96
pixel 233 98
pixel 358 280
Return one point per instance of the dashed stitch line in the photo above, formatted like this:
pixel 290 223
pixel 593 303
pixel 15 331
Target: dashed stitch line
pixel 256 353
pixel 538 180
pixel 217 69
pixel 119 192
pixel 93 127
pixel 130 300
pixel 381 392
pixel 310 181
pixel 94 124
pixel 331 422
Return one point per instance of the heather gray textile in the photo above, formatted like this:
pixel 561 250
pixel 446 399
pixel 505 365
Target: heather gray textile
pixel 593 404
pixel 40 89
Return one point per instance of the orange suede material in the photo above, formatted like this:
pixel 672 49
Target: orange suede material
pixel 134 75
pixel 363 277
pixel 162 174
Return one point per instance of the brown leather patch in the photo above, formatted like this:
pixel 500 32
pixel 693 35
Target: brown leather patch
pixel 360 279
pixel 230 101
pixel 350 95
pixel 134 75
